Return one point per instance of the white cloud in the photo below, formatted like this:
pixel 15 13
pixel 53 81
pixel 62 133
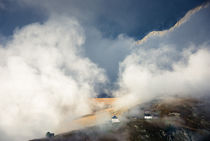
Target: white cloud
pixel 45 80
pixel 145 81
pixel 175 63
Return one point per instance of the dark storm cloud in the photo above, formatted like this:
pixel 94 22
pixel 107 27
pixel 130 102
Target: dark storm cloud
pixel 112 17
pixel 13 15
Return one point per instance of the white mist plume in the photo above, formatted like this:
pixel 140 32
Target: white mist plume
pixel 141 79
pixel 44 79
pixel 175 63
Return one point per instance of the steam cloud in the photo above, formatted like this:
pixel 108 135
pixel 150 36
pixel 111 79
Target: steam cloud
pixel 142 77
pixel 45 80
pixel 174 63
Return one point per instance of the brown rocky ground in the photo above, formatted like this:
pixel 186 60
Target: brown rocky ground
pixel 175 119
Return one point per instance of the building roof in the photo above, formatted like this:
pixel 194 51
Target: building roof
pixel 147 115
pixel 114 117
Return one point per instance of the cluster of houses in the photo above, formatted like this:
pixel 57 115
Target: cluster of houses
pixel 147 116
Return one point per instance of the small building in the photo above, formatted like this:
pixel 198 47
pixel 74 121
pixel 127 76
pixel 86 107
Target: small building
pixel 49 135
pixel 115 119
pixel 147 115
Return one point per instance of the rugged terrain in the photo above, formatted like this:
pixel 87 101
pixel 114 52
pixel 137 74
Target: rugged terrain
pixel 174 119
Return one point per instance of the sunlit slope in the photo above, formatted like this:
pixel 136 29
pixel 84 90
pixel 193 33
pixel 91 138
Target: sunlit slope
pixel 104 109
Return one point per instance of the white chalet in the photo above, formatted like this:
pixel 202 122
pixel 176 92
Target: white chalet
pixel 115 119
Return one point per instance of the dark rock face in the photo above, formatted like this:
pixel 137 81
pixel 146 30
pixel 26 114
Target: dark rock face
pixel 178 120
